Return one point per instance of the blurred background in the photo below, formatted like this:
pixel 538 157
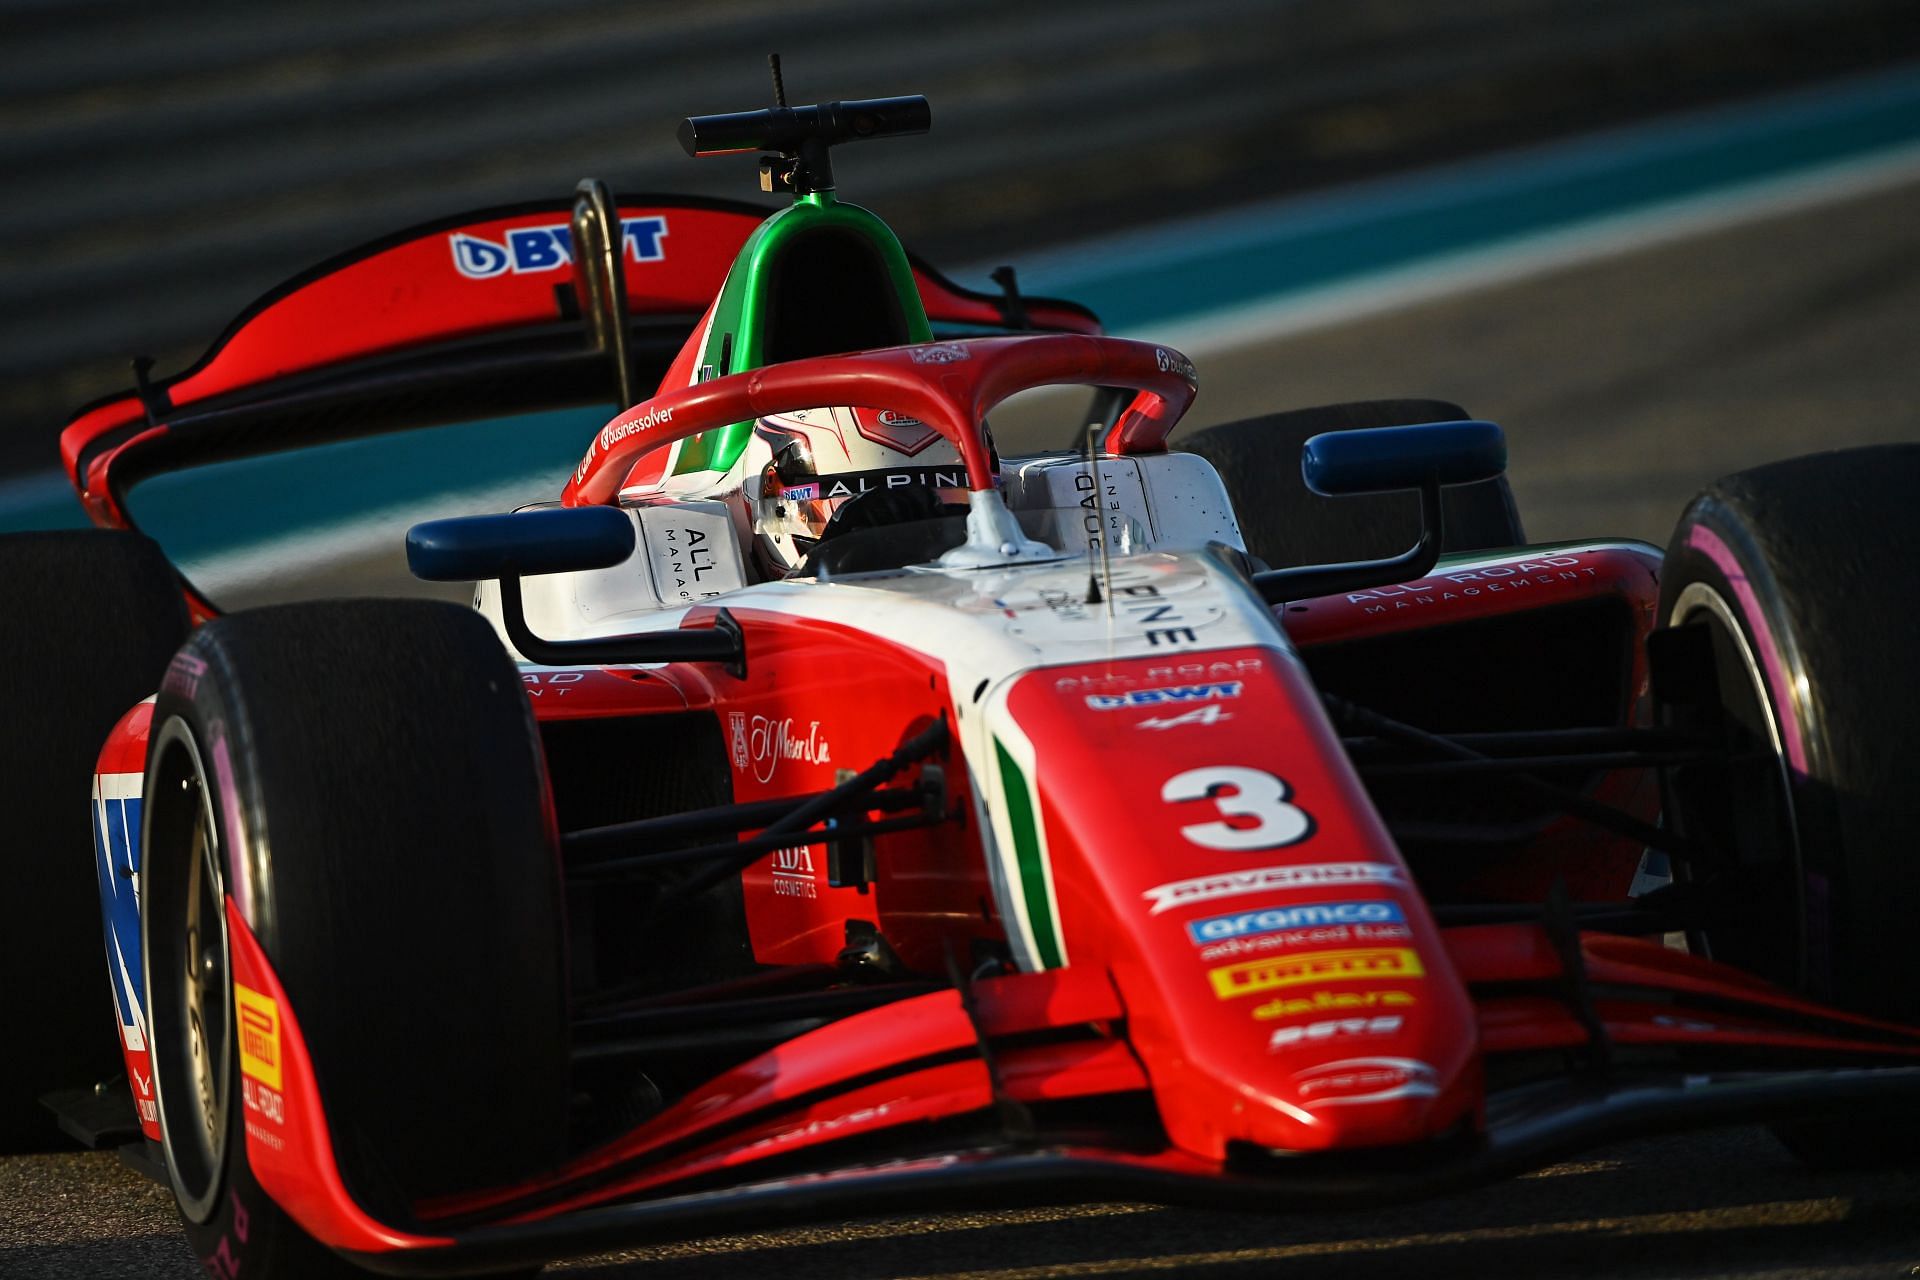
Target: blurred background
pixel 1650 237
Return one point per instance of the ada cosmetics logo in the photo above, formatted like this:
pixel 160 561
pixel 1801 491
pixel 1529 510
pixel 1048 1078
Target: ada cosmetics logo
pixel 1275 919
pixel 770 741
pixel 793 874
pixel 548 248
pixel 1336 875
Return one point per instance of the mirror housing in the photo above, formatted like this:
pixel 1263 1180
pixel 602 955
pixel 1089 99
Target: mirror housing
pixel 1383 459
pixel 550 540
pixel 561 540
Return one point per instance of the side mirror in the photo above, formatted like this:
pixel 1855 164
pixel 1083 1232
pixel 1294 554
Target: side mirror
pixel 551 540
pixel 561 540
pixel 1380 460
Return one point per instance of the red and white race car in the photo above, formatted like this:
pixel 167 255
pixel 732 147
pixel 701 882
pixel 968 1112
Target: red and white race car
pixel 1113 821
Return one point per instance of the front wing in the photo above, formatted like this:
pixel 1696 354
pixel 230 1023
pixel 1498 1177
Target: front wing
pixel 1023 1090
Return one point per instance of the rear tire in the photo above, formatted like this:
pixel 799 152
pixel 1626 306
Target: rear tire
pixel 373 766
pixel 1285 523
pixel 1800 576
pixel 91 619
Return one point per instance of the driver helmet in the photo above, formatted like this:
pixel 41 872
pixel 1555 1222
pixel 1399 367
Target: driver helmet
pixel 823 471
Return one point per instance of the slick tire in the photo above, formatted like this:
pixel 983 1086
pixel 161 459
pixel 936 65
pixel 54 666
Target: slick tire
pixel 1798 579
pixel 1285 523
pixel 371 770
pixel 90 621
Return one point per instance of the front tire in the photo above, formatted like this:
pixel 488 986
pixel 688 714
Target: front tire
pixel 1796 578
pixel 364 780
pixel 1800 576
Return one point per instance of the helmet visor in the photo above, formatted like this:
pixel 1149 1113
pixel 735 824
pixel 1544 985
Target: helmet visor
pixel 804 505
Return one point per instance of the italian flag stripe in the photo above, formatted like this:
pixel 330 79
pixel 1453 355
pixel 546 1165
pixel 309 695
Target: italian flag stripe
pixel 1024 821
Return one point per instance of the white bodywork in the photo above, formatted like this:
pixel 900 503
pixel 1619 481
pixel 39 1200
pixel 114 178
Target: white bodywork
pixel 691 552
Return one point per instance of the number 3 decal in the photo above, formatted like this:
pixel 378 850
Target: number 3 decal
pixel 1239 792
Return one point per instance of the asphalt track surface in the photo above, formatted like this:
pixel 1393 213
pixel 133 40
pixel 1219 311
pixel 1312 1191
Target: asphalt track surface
pixel 1624 384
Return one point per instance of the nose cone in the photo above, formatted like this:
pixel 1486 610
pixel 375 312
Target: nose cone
pixel 1355 1062
pixel 1371 1101
pixel 1285 984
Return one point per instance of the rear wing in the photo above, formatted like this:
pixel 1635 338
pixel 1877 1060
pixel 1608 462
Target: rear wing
pixel 484 309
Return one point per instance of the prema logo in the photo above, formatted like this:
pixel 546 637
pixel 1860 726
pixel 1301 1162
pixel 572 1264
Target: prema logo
pixel 1335 875
pixel 548 248
pixel 1360 1080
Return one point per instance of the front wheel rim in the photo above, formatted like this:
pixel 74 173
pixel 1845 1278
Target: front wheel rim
pixel 189 974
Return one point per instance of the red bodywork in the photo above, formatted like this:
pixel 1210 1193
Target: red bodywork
pixel 408 294
pixel 1371 1028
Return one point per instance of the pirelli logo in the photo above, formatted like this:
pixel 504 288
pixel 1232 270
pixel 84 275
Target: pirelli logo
pixel 258 1020
pixel 1314 967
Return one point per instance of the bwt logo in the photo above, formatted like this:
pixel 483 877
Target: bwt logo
pixel 1274 919
pixel 1160 697
pixel 547 248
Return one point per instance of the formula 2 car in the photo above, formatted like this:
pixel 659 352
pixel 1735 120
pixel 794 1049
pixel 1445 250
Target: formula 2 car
pixel 1115 821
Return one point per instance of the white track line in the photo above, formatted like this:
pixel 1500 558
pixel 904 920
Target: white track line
pixel 1589 240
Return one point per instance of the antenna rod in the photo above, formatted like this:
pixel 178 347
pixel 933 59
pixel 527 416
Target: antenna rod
pixel 779 86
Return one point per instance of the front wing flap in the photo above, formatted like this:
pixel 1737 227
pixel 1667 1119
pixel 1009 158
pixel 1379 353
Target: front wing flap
pixel 1025 1091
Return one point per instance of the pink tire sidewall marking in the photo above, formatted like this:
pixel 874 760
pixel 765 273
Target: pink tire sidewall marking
pixel 1714 548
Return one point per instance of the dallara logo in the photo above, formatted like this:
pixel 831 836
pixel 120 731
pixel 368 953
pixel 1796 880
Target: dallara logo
pixel 1317 966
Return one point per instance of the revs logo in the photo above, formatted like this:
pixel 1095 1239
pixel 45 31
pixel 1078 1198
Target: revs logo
pixel 547 248
pixel 1161 697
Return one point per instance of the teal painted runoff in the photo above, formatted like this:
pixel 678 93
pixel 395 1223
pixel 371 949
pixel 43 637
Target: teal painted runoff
pixel 1212 262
